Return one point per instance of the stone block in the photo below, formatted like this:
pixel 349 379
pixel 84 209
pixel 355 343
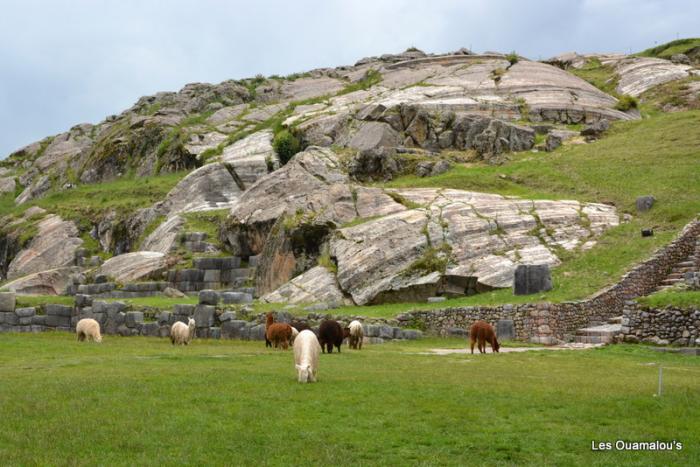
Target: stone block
pixel 164 317
pixel 212 275
pixel 25 312
pixel 37 328
pixel 505 329
pixel 227 316
pixel 39 320
pixel 257 332
pixel 386 332
pixel 215 333
pixel 8 301
pixel 134 318
pixel 204 315
pixel 208 297
pixel 531 278
pixel 411 334
pixel 150 329
pixel 233 329
pixel 56 321
pixel 236 297
pixel 163 331
pixel 371 330
pixel 82 300
pixel 253 261
pixel 456 332
pixel 58 310
pixel 9 318
pixel 183 310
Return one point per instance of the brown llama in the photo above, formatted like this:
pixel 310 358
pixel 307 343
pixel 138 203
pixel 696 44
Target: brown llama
pixel 279 334
pixel 483 332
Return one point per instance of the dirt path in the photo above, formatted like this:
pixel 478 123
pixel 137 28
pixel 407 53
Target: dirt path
pixel 514 349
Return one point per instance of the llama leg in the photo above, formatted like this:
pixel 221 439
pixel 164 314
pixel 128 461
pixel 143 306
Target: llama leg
pixel 472 342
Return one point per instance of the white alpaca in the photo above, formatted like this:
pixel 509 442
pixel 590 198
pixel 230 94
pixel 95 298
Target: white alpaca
pixel 306 351
pixel 181 333
pixel 356 335
pixel 88 329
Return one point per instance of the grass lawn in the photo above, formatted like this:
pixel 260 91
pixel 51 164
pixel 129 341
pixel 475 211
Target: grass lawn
pixel 141 401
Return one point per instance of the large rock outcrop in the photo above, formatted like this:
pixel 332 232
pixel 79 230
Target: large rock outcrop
pixel 53 246
pixel 318 284
pixel 131 267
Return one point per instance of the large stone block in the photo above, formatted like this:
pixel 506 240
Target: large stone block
pixel 9 318
pixel 58 310
pixel 227 316
pixel 58 321
pixel 215 333
pixel 236 297
pixel 386 332
pixel 134 318
pixel 39 320
pixel 505 329
pixel 164 318
pixel 81 300
pixel 233 329
pixel 212 275
pixel 411 334
pixel 208 297
pixel 150 329
pixel 183 310
pixel 531 278
pixel 25 312
pixel 204 315
pixel 257 332
pixel 8 301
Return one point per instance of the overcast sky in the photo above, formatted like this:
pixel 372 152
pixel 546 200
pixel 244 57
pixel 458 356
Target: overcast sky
pixel 67 62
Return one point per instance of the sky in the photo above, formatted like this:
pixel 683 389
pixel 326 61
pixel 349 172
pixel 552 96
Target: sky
pixel 68 62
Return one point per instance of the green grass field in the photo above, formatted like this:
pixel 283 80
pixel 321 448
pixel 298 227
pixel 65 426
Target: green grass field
pixel 139 401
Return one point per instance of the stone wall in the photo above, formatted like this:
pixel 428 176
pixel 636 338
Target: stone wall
pixel 664 326
pixel 548 323
pixel 214 319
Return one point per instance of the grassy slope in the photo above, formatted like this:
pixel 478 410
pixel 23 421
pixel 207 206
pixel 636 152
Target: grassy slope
pixel 683 299
pixel 668 49
pixel 232 402
pixel 659 156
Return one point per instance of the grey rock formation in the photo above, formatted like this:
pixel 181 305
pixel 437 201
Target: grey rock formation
pixel 251 157
pixel 50 282
pixel 209 187
pixel 54 246
pixel 315 285
pixel 135 266
pixel 164 238
pixel 639 74
pixel 8 301
pixel 7 185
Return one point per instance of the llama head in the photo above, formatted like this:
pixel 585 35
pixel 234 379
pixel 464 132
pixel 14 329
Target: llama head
pixel 304 373
pixel 495 345
pixel 98 338
pixel 190 323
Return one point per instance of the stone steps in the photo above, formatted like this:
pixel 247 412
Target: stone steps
pixel 603 334
pixel 676 276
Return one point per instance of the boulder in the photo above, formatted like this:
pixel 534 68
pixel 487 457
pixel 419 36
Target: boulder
pixel 644 203
pixel 131 267
pixel 680 59
pixel 208 297
pixel 639 74
pixel 54 246
pixel 531 278
pixel 236 297
pixel 173 293
pixel 7 185
pixel 204 316
pixel 374 164
pixel 51 282
pixel 8 302
pixel 318 284
pixel 596 129
pixel 373 135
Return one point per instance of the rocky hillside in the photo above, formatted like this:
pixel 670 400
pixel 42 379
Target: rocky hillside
pixel 288 173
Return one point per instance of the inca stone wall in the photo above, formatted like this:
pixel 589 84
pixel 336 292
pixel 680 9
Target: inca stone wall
pixel 670 325
pixel 214 319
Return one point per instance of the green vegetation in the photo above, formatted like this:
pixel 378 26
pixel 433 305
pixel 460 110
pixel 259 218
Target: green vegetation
pixel 158 302
pixel 675 95
pixel 433 259
pixel 512 58
pixel 371 78
pixel 41 300
pixel 215 401
pixel 208 222
pixel 326 261
pixel 677 298
pixel 680 46
pixel 87 202
pixel 286 144
pixel 659 156
pixel 626 102
pixel 601 76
